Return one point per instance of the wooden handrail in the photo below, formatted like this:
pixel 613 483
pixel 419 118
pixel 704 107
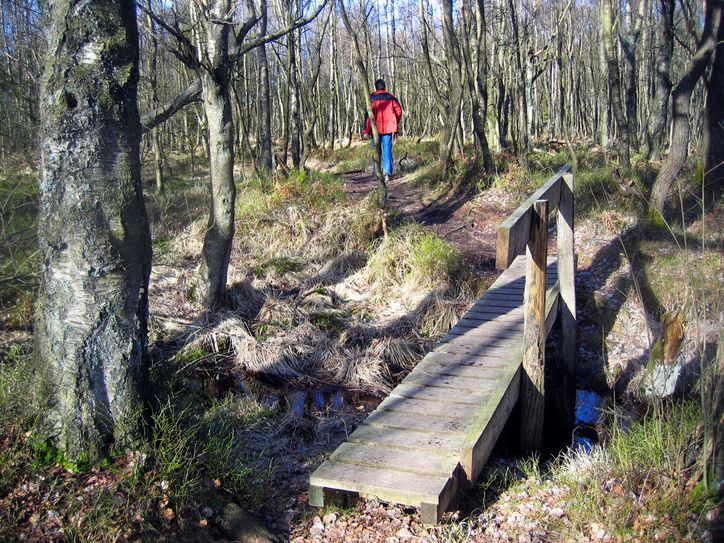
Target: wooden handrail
pixel 514 231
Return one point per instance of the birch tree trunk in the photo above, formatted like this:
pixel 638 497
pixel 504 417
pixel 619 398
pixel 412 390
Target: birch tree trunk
pixel 91 317
pixel 713 141
pixel 614 82
pixel 362 81
pixel 265 134
pixel 216 101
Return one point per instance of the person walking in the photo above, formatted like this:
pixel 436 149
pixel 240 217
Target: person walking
pixel 388 113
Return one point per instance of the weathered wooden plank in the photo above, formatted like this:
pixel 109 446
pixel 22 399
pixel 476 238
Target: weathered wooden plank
pixel 406 439
pixel 488 346
pixel 429 408
pixel 386 484
pixel 532 391
pixel 488 423
pixel 436 463
pixel 483 372
pixel 459 359
pixel 501 295
pixel 497 303
pixel 422 423
pixel 505 316
pixel 405 390
pixel 487 370
pixel 481 328
pixel 566 274
pixel 457 383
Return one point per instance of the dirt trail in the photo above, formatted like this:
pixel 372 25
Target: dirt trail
pixel 469 223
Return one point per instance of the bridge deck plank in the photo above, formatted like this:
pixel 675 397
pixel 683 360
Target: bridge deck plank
pixel 436 429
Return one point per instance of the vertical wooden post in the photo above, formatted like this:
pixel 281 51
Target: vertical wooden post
pixel 566 274
pixel 532 392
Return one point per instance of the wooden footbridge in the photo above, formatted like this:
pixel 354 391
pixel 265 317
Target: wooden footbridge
pixel 434 433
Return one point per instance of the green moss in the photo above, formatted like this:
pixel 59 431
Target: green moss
pixel 193 355
pixel 281 265
pixel 330 320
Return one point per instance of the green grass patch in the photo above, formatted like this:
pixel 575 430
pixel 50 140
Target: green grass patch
pixel 329 320
pixel 411 256
pixel 681 277
pixel 639 485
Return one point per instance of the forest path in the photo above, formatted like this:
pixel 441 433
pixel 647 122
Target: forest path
pixel 468 222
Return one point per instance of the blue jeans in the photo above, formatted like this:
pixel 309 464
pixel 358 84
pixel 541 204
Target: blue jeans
pixel 387 162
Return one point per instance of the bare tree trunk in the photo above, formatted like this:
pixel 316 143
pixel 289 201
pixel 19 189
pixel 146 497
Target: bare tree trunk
pixel 362 79
pixel 265 136
pixel 713 140
pixel 614 82
pixel 659 109
pixel 522 140
pixel 153 80
pixel 455 83
pixel 295 107
pixel 629 40
pixel 91 317
pixel 216 100
pixel 477 80
pixel 680 103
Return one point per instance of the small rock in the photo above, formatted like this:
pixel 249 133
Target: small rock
pixel 317 528
pixel 557 512
pixel 242 526
pixel 207 512
pixel 404 534
pixel 329 519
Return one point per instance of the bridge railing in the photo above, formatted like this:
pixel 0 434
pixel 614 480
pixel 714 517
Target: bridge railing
pixel 526 230
pixel 513 236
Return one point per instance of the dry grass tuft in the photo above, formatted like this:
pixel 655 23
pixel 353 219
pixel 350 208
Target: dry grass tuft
pixel 359 368
pixel 295 353
pixel 441 310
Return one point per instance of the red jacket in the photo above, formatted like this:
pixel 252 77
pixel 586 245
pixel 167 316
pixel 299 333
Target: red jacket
pixel 388 113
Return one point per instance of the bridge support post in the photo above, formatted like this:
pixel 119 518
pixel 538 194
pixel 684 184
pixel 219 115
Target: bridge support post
pixel 532 392
pixel 566 275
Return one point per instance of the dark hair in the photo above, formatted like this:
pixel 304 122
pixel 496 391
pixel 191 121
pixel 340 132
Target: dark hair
pixel 380 84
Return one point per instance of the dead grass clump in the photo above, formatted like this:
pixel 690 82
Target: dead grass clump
pixel 275 312
pixel 189 242
pixel 245 300
pixel 359 368
pixel 441 310
pixel 366 222
pixel 337 269
pixel 295 353
pixel 397 352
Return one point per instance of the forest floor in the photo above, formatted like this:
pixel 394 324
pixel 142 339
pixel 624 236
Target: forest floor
pixel 515 500
pixel 356 326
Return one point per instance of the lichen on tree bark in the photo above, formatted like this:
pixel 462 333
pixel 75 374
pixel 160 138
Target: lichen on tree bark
pixel 91 318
